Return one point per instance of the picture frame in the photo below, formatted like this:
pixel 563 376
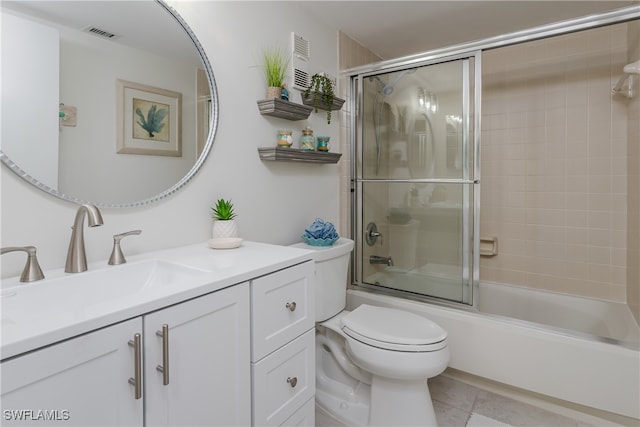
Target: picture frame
pixel 149 120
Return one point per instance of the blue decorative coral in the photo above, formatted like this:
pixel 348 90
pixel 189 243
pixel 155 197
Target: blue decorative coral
pixel 320 233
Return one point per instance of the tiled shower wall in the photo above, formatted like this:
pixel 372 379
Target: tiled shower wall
pixel 554 186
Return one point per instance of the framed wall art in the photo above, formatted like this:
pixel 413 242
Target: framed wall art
pixel 149 120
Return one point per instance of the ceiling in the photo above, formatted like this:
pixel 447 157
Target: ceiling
pixel 140 24
pixel 393 29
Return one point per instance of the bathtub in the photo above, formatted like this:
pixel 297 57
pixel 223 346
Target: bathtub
pixel 602 319
pixel 577 367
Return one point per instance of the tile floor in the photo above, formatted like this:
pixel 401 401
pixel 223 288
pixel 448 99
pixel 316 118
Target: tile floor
pixel 454 401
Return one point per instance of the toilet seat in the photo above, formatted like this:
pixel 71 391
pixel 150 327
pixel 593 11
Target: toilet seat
pixel 392 329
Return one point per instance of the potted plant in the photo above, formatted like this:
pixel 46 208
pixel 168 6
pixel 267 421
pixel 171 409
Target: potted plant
pixel 224 224
pixel 320 94
pixel 275 71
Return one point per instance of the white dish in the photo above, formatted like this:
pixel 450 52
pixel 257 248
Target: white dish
pixel 225 243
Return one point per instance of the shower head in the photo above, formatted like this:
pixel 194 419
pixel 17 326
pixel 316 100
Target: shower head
pixel 629 70
pixel 386 89
pixel 633 68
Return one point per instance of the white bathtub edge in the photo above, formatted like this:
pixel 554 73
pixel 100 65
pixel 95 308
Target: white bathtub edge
pixel 589 373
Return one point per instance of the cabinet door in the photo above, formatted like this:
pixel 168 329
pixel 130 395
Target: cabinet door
pixel 83 381
pixel 208 361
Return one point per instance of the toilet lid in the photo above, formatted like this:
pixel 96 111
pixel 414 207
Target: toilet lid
pixel 393 329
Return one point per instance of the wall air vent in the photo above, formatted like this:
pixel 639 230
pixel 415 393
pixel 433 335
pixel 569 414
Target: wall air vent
pixel 100 33
pixel 299 63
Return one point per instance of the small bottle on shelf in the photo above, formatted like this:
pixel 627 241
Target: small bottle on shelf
pixel 307 140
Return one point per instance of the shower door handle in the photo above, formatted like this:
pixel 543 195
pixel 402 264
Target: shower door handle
pixel 372 234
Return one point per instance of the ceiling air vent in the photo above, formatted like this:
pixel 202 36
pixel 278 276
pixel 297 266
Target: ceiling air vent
pixel 300 54
pixel 100 33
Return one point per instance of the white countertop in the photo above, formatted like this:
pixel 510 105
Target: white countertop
pixel 64 305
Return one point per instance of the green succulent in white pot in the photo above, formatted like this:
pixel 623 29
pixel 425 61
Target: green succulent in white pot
pixel 224 224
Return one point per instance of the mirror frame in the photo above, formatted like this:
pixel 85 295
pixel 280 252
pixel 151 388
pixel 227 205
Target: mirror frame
pixel 213 125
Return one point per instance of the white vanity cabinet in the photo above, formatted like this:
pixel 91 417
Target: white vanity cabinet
pixel 203 355
pixel 283 347
pixel 79 382
pixel 223 338
pixel 84 381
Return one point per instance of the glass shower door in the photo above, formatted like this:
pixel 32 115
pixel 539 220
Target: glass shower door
pixel 415 179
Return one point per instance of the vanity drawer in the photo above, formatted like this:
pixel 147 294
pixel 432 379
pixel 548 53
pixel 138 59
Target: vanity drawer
pixel 284 381
pixel 282 308
pixel 304 416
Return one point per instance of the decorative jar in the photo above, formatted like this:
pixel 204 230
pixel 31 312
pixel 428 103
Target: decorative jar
pixel 284 138
pixel 323 143
pixel 307 139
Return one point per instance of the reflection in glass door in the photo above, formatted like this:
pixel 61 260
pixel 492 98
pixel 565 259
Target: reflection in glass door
pixel 416 179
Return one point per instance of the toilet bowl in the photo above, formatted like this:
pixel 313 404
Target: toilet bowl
pixel 372 363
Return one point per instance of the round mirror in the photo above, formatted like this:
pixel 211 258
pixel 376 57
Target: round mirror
pixel 111 103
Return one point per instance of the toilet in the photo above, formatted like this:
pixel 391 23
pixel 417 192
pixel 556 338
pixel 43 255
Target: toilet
pixel 372 363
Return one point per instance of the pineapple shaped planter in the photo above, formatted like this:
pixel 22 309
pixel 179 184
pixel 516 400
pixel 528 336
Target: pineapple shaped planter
pixel 224 228
pixel 224 224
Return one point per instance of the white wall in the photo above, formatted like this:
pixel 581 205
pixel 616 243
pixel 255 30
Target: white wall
pixel 27 49
pixel 275 200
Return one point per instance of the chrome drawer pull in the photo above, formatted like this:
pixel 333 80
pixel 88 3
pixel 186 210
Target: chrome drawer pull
pixel 164 368
pixel 292 381
pixel 291 306
pixel 136 381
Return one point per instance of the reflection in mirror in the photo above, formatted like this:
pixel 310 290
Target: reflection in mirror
pixel 454 141
pixel 420 150
pixel 405 113
pixel 62 112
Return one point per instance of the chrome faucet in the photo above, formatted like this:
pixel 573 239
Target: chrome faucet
pixel 375 259
pixel 76 256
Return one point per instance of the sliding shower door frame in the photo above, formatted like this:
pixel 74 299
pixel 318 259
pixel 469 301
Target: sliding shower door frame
pixel 356 75
pixel 470 179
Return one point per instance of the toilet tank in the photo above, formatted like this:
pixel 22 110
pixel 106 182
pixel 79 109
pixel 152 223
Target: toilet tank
pixel 331 266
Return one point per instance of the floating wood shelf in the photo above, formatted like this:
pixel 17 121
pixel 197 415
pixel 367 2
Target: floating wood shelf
pixel 296 155
pixel 336 105
pixel 284 109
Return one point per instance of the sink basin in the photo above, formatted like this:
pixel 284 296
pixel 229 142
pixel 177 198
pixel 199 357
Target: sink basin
pixel 145 274
pixel 108 284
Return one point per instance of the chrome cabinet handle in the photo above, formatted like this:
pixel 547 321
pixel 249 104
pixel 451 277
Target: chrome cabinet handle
pixel 291 306
pixel 164 368
pixel 136 381
pixel 292 381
